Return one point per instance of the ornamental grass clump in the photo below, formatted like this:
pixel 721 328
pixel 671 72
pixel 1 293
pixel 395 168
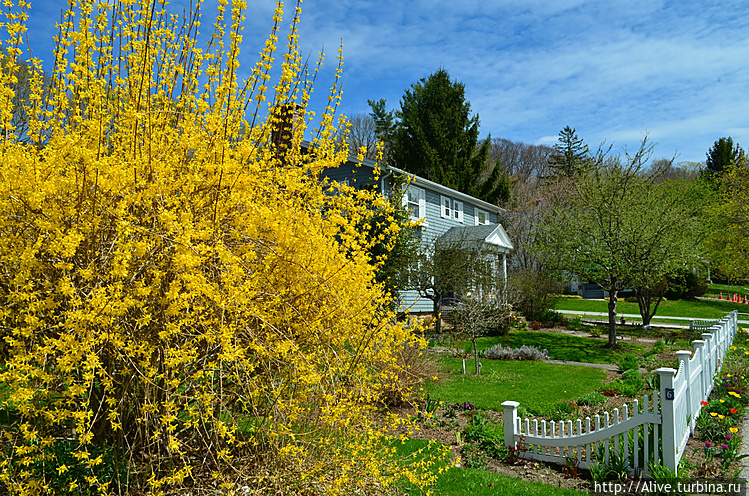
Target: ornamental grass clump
pixel 184 305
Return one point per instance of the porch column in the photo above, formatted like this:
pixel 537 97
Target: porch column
pixel 504 275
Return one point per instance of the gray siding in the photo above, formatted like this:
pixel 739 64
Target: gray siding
pixel 435 226
pixel 359 176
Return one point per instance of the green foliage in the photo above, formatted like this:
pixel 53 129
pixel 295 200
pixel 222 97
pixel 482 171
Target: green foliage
pixel 629 385
pixel 726 238
pixel 591 399
pixel 486 434
pixel 571 155
pixel 722 155
pixel 619 225
pixel 395 251
pixel 629 362
pixel 685 285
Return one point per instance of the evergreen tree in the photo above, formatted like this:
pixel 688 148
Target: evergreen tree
pixel 571 155
pixel 434 135
pixel 723 153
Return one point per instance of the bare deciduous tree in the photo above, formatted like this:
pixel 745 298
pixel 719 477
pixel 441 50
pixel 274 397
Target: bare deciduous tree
pixel 362 134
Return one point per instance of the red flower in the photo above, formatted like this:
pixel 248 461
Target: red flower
pixel 703 403
pixel 733 410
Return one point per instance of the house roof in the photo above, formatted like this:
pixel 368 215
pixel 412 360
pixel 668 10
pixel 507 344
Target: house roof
pixel 491 234
pixel 425 183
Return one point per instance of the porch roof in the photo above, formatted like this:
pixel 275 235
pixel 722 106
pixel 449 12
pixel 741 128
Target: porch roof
pixel 493 235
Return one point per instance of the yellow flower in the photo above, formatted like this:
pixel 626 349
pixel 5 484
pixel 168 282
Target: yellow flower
pixel 713 414
pixel 733 430
pixel 722 401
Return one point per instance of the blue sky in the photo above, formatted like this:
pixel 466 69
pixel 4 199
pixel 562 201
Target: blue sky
pixel 612 70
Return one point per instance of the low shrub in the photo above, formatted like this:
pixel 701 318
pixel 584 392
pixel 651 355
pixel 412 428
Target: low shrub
pixel 486 435
pixel 576 324
pixel 591 399
pixel 498 352
pixel 629 362
pixel 549 317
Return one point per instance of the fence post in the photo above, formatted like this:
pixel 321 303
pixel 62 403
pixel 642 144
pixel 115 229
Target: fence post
pixel 668 424
pixel 510 421
pixel 699 348
pixel 683 356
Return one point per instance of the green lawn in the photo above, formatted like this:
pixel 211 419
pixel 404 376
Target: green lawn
pixel 470 481
pixel 538 386
pixel 701 309
pixel 725 288
pixel 477 482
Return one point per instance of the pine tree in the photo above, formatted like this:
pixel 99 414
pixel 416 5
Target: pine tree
pixel 723 153
pixel 434 135
pixel 571 155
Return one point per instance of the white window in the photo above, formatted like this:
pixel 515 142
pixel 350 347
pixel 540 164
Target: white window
pixel 415 201
pixel 458 211
pixel 482 217
pixel 451 209
pixel 445 204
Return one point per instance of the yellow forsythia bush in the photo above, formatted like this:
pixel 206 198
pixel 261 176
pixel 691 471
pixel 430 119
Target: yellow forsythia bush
pixel 184 306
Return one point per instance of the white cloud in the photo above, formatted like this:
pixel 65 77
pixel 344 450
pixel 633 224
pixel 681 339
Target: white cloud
pixel 531 67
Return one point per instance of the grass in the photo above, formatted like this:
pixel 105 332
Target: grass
pixel 477 482
pixel 700 309
pixel 716 289
pixel 538 386
pixel 469 482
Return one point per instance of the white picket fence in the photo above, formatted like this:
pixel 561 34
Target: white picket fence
pixel 656 430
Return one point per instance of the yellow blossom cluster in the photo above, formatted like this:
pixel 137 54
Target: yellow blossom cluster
pixel 181 300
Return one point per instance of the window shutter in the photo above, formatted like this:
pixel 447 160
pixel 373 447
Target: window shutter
pixel 422 204
pixel 476 216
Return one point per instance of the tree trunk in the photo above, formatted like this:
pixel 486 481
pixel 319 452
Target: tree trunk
pixel 475 355
pixel 613 292
pixel 643 301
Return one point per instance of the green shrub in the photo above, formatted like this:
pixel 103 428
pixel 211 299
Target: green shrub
pixel 487 435
pixel 629 362
pixel 591 399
